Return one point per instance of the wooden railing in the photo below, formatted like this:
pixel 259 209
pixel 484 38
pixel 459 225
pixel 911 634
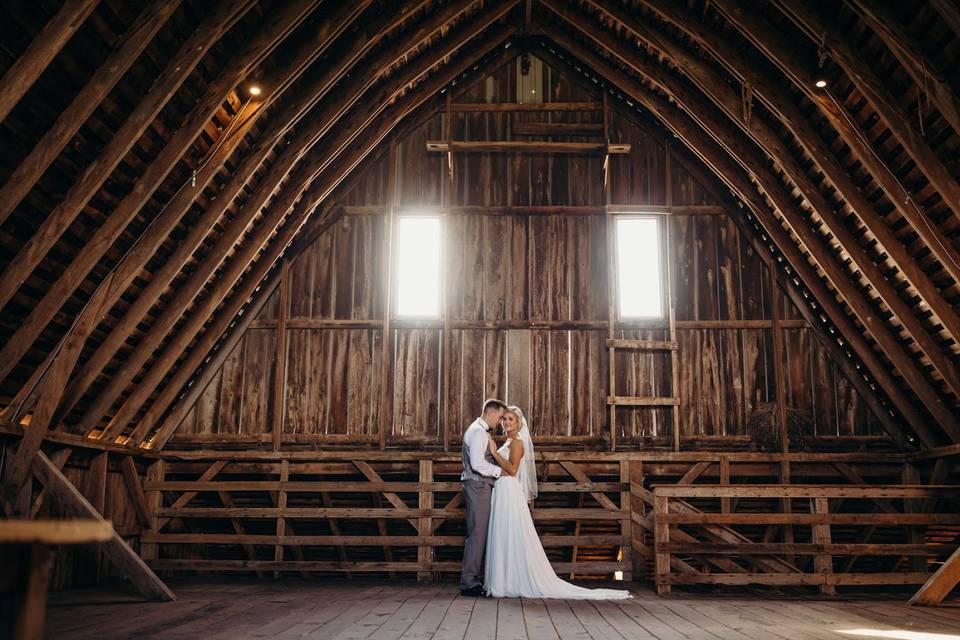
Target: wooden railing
pixel 727 534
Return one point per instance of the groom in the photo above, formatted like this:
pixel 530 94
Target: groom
pixel 479 472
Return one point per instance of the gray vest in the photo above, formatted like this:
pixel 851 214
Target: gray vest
pixel 468 472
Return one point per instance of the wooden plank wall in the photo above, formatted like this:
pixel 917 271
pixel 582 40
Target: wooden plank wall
pixel 526 269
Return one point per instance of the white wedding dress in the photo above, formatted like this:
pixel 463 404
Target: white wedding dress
pixel 516 565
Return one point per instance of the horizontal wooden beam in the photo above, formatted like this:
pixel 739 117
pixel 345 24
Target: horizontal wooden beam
pixel 805 491
pixel 525 146
pixel 795 579
pixel 560 325
pixel 541 210
pixel 837 549
pixel 640 401
pixel 348 486
pixel 80 531
pixel 584 568
pixel 549 541
pixel 642 345
pixel 363 513
pixel 806 519
pixel 468 107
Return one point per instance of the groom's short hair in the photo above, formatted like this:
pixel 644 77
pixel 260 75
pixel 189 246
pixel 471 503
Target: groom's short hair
pixel 493 404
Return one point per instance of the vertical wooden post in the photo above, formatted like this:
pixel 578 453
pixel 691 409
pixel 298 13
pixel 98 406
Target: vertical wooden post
pixel 915 535
pixel 447 200
pixel 638 507
pixel 424 525
pixel 626 525
pixel 98 498
pixel 386 363
pixel 724 479
pixel 778 355
pixel 674 355
pixel 611 282
pixel 280 358
pixel 823 562
pixel 30 609
pixel 661 536
pixel 282 508
pixel 155 474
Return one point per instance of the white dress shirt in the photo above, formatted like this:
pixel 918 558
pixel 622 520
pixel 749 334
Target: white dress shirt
pixel 478 443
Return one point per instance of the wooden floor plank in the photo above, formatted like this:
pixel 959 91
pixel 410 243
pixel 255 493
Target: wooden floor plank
pixel 242 608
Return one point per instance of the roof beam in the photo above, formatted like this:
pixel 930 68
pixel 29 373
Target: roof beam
pixel 226 193
pixel 126 52
pixel 220 19
pixel 722 163
pixel 729 101
pixel 319 190
pixel 780 103
pixel 369 111
pixel 316 127
pixel 775 45
pixel 273 30
pixel 872 86
pixel 42 50
pixel 909 52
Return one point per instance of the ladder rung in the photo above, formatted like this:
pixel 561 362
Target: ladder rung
pixel 640 401
pixel 642 345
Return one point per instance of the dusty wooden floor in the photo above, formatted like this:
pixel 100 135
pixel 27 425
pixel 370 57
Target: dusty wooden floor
pixel 237 608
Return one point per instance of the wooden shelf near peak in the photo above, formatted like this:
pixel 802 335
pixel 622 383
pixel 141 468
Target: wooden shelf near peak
pixel 523 146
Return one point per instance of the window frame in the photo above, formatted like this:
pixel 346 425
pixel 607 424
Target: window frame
pixel 395 266
pixel 661 220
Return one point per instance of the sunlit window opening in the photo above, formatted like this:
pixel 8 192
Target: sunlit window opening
pixel 418 266
pixel 638 267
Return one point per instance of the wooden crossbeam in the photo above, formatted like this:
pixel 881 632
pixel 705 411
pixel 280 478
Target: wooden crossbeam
pixel 118 552
pixel 940 584
pixel 522 146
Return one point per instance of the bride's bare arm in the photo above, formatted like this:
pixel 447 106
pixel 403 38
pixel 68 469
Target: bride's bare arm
pixel 511 466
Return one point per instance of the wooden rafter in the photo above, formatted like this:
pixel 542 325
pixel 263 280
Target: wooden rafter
pixel 181 203
pixel 298 178
pixel 29 170
pixel 721 163
pixel 774 43
pixel 42 49
pixel 773 95
pixel 159 168
pixel 206 34
pixel 319 190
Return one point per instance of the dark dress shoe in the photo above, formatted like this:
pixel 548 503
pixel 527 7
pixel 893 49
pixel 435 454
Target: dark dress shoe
pixel 473 592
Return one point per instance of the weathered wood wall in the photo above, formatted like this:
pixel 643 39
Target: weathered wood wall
pixel 538 283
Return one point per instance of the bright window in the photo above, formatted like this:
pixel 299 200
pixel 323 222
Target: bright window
pixel 638 267
pixel 418 266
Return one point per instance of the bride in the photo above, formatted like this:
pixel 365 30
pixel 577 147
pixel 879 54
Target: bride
pixel 516 565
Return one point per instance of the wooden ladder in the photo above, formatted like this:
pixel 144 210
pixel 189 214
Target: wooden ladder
pixel 613 343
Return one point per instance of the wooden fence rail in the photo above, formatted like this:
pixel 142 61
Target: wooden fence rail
pixel 699 539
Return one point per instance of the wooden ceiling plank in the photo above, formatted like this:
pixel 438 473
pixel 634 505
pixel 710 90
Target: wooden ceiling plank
pixel 315 128
pixel 124 54
pixel 775 45
pixel 910 54
pixel 709 151
pixel 181 203
pixel 319 191
pixel 903 126
pixel 224 15
pixel 159 168
pixel 728 100
pixel 41 51
pixel 772 94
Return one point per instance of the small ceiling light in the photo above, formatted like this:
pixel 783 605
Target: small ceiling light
pixel 821 84
pixel 255 90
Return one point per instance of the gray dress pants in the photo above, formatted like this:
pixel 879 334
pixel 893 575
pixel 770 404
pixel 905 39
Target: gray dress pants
pixel 476 495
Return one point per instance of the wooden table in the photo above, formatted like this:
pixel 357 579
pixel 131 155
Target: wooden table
pixel 25 557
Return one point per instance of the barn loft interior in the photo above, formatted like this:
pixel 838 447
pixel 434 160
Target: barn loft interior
pixel 262 262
